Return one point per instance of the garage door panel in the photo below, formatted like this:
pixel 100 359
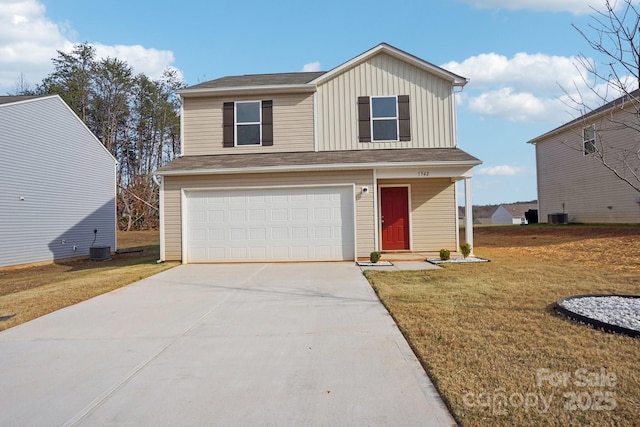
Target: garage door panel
pixel 314 223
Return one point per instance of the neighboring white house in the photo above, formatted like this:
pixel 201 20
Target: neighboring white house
pixel 512 213
pixel 572 179
pixel 57 183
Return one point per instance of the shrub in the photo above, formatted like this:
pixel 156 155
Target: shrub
pixel 465 248
pixel 445 254
pixel 375 256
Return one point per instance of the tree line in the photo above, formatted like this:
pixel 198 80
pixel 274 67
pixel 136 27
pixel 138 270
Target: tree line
pixel 135 117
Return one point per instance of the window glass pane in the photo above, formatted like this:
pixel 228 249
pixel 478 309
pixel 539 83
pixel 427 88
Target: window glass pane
pixel 248 135
pixel 385 130
pixel 589 147
pixel 248 112
pixel 383 107
pixel 589 133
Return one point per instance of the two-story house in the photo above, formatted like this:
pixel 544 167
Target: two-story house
pixel 316 166
pixel 582 166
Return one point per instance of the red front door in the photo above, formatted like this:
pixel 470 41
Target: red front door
pixel 394 209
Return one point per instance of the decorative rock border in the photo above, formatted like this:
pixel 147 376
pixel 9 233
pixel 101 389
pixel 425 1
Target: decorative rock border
pixel 374 264
pixel 571 314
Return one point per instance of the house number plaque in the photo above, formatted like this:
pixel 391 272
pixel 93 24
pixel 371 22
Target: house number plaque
pixel 423 173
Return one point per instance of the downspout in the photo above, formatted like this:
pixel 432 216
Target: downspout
pixel 181 126
pixel 160 182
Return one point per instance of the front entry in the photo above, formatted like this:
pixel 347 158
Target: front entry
pixel 394 212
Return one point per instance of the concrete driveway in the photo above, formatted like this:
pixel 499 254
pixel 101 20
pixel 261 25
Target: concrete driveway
pixel 229 345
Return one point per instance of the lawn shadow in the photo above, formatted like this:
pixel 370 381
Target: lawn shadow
pixel 544 235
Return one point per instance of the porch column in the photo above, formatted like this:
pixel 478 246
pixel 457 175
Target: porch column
pixel 468 214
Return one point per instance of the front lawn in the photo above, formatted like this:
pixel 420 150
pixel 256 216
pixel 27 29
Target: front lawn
pixel 30 292
pixel 488 339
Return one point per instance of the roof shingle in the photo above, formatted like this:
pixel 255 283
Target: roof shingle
pixel 249 80
pixel 323 159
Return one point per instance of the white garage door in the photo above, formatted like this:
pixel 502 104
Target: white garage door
pixel 275 224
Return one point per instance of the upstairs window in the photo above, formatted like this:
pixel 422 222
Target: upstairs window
pixel 384 118
pixel 589 140
pixel 247 123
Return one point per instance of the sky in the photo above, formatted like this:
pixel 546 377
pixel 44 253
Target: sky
pixel 520 56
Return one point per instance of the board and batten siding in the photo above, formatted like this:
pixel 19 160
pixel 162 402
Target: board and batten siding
pixel 431 103
pixel 58 184
pixel 578 184
pixel 433 213
pixel 174 184
pixel 292 124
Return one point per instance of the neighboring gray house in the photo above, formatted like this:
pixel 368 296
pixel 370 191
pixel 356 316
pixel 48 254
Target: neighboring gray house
pixel 512 213
pixel 572 179
pixel 57 183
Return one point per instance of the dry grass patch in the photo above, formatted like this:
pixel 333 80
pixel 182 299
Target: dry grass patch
pixel 484 332
pixel 30 292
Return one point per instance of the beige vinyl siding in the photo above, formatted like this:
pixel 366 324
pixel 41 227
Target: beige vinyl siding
pixel 433 213
pixel 431 103
pixel 585 187
pixel 292 124
pixel 173 186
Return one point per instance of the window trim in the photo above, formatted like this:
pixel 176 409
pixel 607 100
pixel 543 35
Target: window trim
pixel 590 141
pixel 374 119
pixel 237 123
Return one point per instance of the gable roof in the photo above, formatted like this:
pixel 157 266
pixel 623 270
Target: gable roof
pixel 517 210
pixel 249 80
pixel 307 81
pixel 322 160
pixel 455 79
pixel 598 112
pixel 254 83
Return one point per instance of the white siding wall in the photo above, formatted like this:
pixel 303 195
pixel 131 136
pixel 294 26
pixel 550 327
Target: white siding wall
pixel 430 100
pixel 582 183
pixel 292 124
pixel 67 180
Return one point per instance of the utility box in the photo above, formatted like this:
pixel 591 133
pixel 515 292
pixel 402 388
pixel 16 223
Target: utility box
pixel 100 253
pixel 558 218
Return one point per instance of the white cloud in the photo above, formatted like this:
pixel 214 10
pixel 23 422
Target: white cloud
pixel 577 7
pixel 149 61
pixel 312 66
pixel 523 70
pixel 29 40
pixel 516 106
pixel 501 170
pixel 520 88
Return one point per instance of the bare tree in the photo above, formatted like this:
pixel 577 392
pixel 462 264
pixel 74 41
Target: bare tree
pixel 23 87
pixel 614 34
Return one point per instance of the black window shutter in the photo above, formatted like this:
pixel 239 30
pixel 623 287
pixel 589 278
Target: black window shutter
pixel 267 123
pixel 403 118
pixel 228 123
pixel 364 119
